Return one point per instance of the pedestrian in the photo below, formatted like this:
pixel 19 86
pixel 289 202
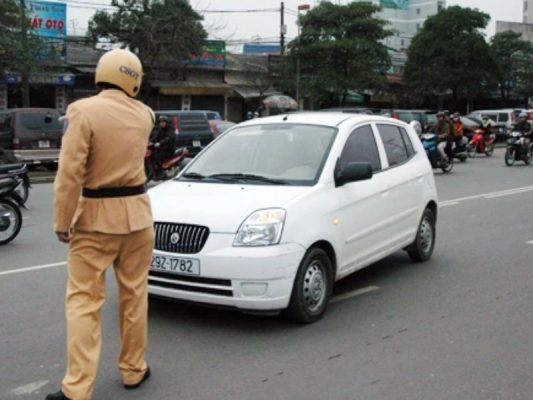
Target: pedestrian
pixel 111 223
pixel 164 142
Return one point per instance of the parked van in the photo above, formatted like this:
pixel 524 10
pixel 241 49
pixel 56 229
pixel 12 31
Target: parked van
pixel 33 134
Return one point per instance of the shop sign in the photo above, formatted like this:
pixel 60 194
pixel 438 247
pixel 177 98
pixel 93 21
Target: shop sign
pixel 47 19
pixel 213 53
pixel 42 79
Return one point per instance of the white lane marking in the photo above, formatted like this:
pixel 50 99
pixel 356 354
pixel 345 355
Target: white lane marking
pixel 29 388
pixel 37 267
pixel 357 292
pixel 490 195
pixel 530 242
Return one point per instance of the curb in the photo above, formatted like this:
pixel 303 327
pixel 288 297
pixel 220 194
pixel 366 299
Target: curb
pixel 41 179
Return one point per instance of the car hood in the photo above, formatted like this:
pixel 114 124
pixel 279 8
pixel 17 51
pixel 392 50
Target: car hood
pixel 220 207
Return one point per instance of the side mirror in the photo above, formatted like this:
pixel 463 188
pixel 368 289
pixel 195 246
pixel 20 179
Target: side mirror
pixel 352 172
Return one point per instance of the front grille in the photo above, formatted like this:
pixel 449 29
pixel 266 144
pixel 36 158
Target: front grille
pixel 192 238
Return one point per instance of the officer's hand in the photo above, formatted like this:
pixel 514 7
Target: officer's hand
pixel 64 237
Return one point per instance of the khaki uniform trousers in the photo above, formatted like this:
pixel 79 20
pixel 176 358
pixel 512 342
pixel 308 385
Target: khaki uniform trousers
pixel 91 253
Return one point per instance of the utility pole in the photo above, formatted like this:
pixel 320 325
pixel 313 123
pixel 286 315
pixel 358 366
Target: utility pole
pixel 283 29
pixel 25 73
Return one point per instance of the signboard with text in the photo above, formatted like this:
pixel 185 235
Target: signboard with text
pixel 47 19
pixel 397 4
pixel 213 54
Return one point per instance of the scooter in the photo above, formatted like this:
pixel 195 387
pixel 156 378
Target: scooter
pixel 168 169
pixel 10 204
pixel 430 142
pixel 460 151
pixel 481 145
pixel 20 172
pixel 516 150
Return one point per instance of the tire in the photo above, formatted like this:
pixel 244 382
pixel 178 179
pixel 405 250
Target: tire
pixel 463 158
pixel 422 248
pixel 509 156
pixel 10 221
pixel 312 288
pixel 471 149
pixel 446 166
pixel 489 150
pixel 23 191
pixel 149 171
pixel 528 157
pixel 51 166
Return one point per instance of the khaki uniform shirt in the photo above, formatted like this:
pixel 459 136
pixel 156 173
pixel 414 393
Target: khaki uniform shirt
pixel 103 146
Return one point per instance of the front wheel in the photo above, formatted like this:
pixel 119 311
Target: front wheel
pixel 422 248
pixel 510 156
pixel 23 191
pixel 489 149
pixel 10 221
pixel 312 287
pixel 148 170
pixel 471 150
pixel 528 157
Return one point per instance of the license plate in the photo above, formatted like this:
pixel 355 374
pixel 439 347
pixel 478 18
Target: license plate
pixel 196 143
pixel 177 265
pixel 44 144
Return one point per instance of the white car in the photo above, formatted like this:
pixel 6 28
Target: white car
pixel 277 209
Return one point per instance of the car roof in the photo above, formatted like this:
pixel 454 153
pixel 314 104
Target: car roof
pixel 332 119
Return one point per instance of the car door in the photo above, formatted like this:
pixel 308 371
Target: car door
pixel 361 204
pixel 406 182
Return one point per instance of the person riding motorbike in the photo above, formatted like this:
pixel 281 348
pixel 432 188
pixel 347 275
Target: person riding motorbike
pixel 164 141
pixel 525 128
pixel 459 129
pixel 445 137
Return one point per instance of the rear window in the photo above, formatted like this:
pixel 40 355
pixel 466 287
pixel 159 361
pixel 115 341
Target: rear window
pixel 5 122
pixel 405 116
pixel 503 117
pixel 40 121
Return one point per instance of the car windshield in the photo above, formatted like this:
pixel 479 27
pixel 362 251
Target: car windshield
pixel 291 154
pixel 41 121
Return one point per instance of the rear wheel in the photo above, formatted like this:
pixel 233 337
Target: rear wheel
pixel 422 248
pixel 446 165
pixel 509 156
pixel 489 149
pixel 10 221
pixel 149 171
pixel 528 157
pixel 312 287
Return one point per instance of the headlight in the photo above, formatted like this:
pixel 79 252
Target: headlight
pixel 262 228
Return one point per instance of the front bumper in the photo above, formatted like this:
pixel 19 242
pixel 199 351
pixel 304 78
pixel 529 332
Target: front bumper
pixel 247 278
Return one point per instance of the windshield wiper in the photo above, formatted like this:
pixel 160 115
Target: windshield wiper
pixel 193 175
pixel 248 177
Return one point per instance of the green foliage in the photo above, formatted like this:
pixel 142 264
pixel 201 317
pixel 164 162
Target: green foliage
pixel 164 33
pixel 340 52
pixel 509 52
pixel 450 53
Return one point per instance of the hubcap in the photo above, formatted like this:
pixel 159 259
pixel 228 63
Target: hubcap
pixel 314 287
pixel 426 235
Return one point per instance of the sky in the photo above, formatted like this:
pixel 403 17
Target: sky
pixel 237 28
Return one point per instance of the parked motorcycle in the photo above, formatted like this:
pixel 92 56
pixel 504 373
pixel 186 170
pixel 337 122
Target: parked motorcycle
pixel 20 172
pixel 481 145
pixel 430 142
pixel 10 204
pixel 168 169
pixel 516 150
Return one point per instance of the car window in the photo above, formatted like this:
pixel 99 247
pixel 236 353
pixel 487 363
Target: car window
pixel 5 122
pixel 395 147
pixel 405 116
pixel 407 142
pixel 41 121
pixel 361 147
pixel 503 117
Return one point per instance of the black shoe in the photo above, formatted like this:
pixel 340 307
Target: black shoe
pixel 144 378
pixel 57 396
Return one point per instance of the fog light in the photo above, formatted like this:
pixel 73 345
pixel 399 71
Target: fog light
pixel 254 289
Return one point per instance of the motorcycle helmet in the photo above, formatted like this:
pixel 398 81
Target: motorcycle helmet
pixel 523 115
pixel 120 68
pixel 163 118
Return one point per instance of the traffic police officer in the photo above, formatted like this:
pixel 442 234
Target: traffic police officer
pixel 111 223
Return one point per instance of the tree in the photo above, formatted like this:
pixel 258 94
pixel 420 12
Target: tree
pixel 163 33
pixel 340 51
pixel 20 48
pixel 505 46
pixel 523 62
pixel 450 55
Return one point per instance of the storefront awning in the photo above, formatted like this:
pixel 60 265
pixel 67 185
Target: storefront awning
pixel 250 92
pixel 193 88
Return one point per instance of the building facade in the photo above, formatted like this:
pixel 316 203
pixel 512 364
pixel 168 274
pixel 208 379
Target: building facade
pixel 525 29
pixel 406 18
pixel 528 12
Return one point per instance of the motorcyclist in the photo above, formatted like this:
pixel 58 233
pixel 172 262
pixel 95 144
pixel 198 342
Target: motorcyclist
pixel 487 125
pixel 443 133
pixel 459 129
pixel 164 141
pixel 525 128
